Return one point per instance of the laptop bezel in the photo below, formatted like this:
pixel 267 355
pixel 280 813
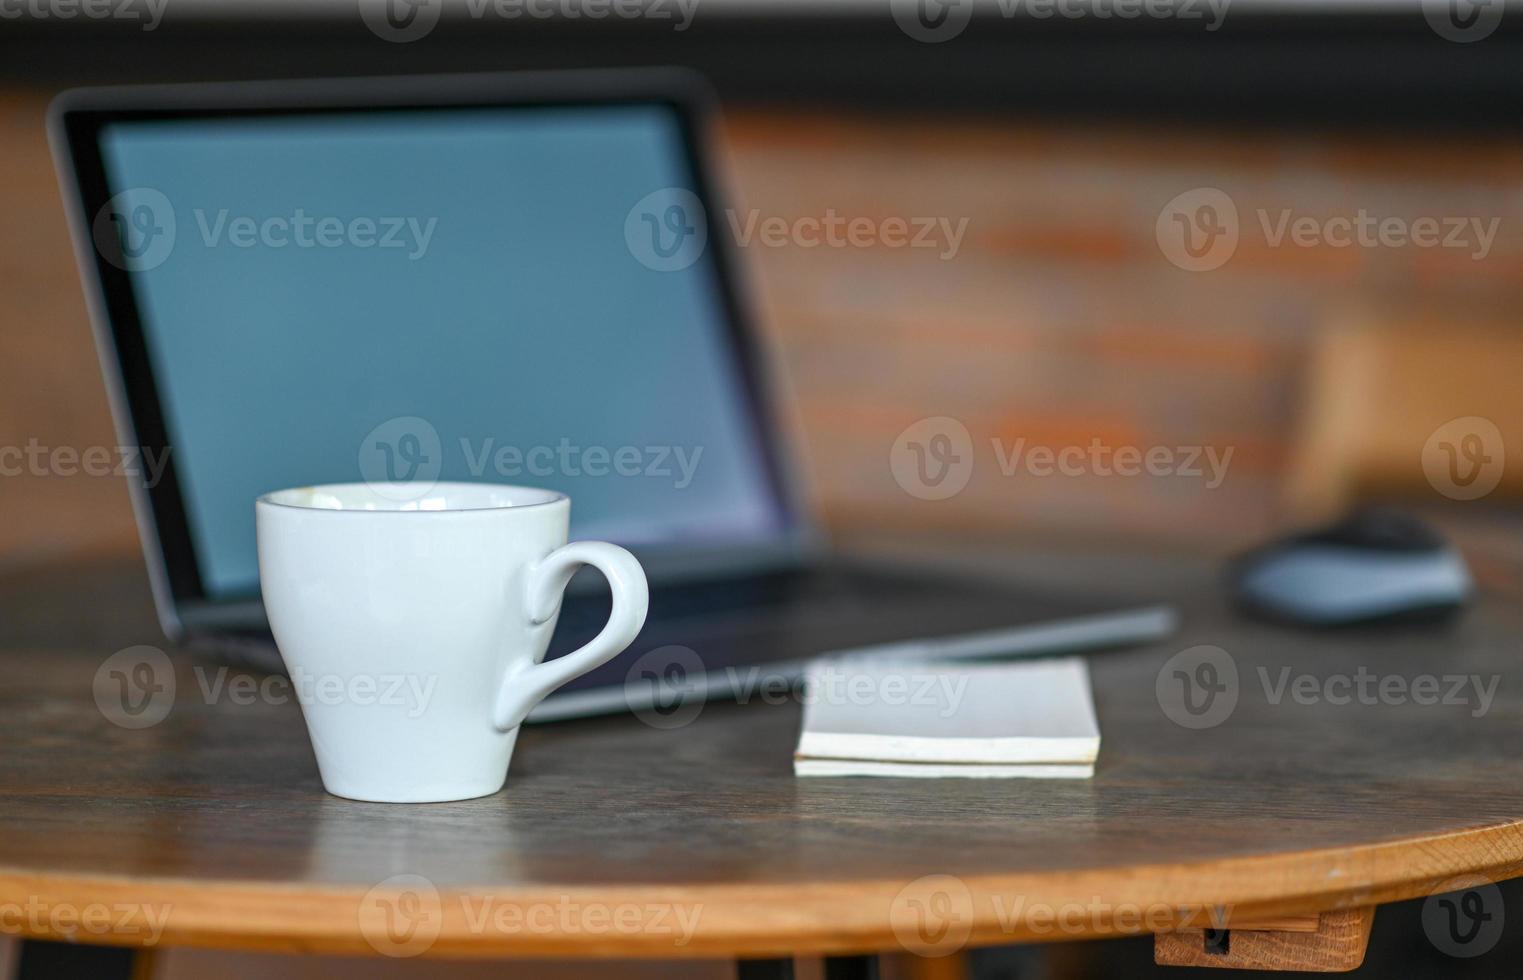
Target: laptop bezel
pixel 78 117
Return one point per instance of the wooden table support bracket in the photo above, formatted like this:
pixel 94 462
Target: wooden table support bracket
pixel 1333 942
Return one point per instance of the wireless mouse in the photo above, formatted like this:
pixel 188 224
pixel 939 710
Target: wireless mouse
pixel 1377 564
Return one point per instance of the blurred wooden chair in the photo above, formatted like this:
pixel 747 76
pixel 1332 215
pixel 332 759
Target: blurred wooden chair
pixel 1378 389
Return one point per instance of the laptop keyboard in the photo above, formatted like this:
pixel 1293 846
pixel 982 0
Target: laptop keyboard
pixel 814 592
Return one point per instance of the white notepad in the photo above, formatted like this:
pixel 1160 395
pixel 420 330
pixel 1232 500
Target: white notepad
pixel 936 770
pixel 1028 718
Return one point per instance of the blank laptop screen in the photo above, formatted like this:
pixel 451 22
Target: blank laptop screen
pixel 503 295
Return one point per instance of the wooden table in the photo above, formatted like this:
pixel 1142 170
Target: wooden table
pixel 1287 822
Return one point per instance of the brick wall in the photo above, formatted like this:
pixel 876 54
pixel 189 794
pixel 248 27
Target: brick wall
pixel 1059 319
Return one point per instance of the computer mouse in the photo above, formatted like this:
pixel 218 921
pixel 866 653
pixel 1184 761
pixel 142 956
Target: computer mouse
pixel 1377 564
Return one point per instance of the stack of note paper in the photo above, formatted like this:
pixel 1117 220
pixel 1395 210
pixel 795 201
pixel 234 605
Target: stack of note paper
pixel 938 718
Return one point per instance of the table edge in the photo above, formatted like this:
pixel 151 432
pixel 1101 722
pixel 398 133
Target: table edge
pixel 771 919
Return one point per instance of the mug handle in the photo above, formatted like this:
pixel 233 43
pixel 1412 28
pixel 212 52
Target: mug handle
pixel 547 579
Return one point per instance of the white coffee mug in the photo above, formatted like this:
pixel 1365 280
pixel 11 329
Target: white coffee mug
pixel 414 630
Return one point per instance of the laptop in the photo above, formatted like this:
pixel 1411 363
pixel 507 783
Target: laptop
pixel 516 278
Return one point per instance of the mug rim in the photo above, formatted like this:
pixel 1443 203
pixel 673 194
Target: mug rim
pixel 551 497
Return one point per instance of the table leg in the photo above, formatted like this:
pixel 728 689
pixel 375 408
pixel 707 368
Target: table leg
pixel 764 969
pixel 42 960
pixel 836 968
pixel 851 968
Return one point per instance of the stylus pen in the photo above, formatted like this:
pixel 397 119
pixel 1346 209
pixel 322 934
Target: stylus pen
pixel 1126 628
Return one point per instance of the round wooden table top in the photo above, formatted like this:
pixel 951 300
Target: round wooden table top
pixel 1353 768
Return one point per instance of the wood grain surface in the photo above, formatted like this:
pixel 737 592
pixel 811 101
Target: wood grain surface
pixel 614 837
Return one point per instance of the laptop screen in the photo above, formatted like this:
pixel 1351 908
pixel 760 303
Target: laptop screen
pixel 510 295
